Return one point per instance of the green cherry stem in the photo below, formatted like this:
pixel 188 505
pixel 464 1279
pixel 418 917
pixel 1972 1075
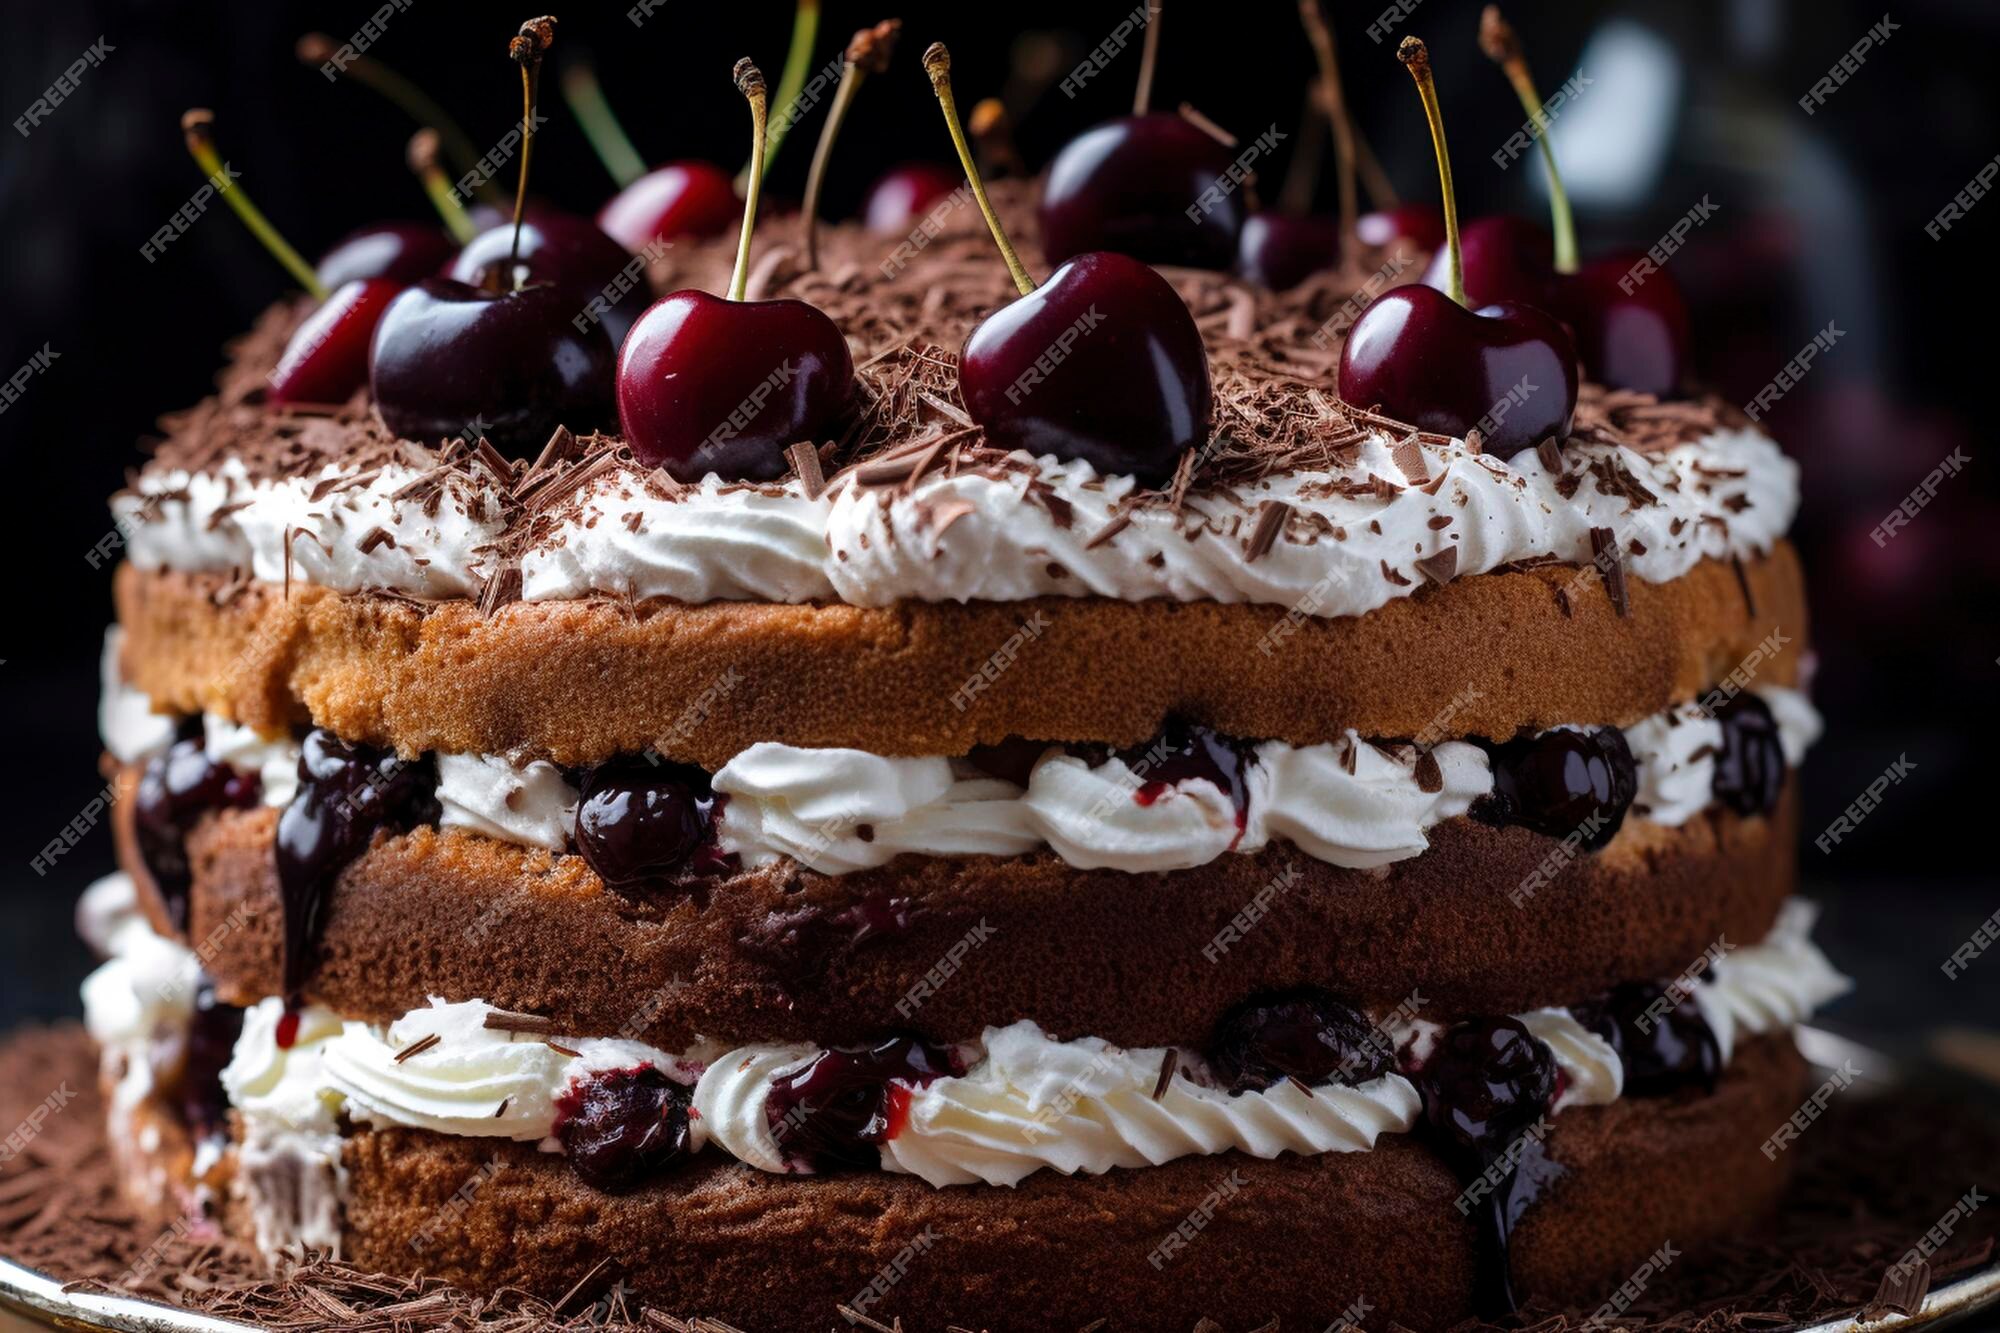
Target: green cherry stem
pixel 867 53
pixel 791 80
pixel 317 49
pixel 1416 57
pixel 423 160
pixel 937 64
pixel 526 50
pixel 1320 35
pixel 750 82
pixel 593 112
pixel 1502 46
pixel 197 128
pixel 1149 58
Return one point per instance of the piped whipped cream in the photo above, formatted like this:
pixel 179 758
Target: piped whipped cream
pixel 1026 1102
pixel 1350 544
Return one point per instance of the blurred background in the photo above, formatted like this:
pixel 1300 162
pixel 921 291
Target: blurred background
pixel 1815 217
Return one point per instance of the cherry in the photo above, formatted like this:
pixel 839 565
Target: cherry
pixel 713 385
pixel 176 789
pixel 1662 1040
pixel 684 198
pixel 1562 782
pixel 556 248
pixel 1750 765
pixel 1484 1082
pixel 639 821
pixel 326 358
pixel 1304 1034
pixel 867 53
pixel 619 1126
pixel 1423 357
pixel 1280 251
pixel 838 1109
pixel 1184 751
pixel 1504 259
pixel 902 196
pixel 403 252
pixel 1422 225
pixel 211 1044
pixel 1129 185
pixel 1630 334
pixel 1102 362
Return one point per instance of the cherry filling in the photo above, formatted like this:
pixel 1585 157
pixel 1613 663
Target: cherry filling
pixel 1484 1087
pixel 1185 750
pixel 804 945
pixel 621 1125
pixel 211 1040
pixel 836 1110
pixel 1661 1038
pixel 346 792
pixel 1562 783
pixel 639 821
pixel 176 788
pixel 1750 765
pixel 1304 1034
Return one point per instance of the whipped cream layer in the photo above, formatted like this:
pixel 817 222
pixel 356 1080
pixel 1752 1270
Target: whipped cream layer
pixel 1348 803
pixel 1026 1102
pixel 1353 541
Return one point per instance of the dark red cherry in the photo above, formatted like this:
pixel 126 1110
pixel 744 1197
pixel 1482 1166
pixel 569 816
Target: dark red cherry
pixel 1562 782
pixel 211 1043
pixel 1304 1034
pixel 1631 331
pixel 1102 362
pixel 835 1111
pixel 711 385
pixel 1506 259
pixel 903 195
pixel 619 1126
pixel 1422 225
pixel 639 822
pixel 1484 1082
pixel 560 249
pixel 1280 251
pixel 452 359
pixel 1423 358
pixel 326 358
pixel 1661 1038
pixel 1151 186
pixel 1750 766
pixel 403 252
pixel 1184 750
pixel 176 788
pixel 689 198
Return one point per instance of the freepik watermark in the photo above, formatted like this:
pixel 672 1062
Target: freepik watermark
pixel 1681 989
pixel 1517 395
pixel 745 412
pixel 1920 496
pixel 816 86
pixel 1573 844
pixel 1793 371
pixel 1810 1110
pixel 1385 22
pixel 31 1127
pixel 1349 1320
pixel 1961 203
pixel 1099 57
pixel 74 832
pixel 945 968
pixel 189 213
pixel 1197 1220
pixel 1669 245
pixel 1327 334
pixel 1848 65
pixel 1632 1288
pixel 1080 1086
pixel 365 36
pixel 1738 680
pixel 1938 1233
pixel 1864 805
pixel 450 1215
pixel 495 159
pixel 925 231
pixel 1500 1168
pixel 1983 937
pixel 1054 354
pixel 629 279
pixel 1001 659
pixel 1523 139
pixel 1384 1035
pixel 894 1271
pixel 66 83
pixel 1254 911
pixel 1235 176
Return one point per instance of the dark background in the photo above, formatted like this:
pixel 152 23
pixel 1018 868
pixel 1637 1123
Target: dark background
pixel 1819 218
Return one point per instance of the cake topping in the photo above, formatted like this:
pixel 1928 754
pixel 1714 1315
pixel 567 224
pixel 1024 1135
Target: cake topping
pixel 1305 1035
pixel 1569 782
pixel 1506 371
pixel 726 386
pixel 1103 362
pixel 641 821
pixel 842 1105
pixel 620 1126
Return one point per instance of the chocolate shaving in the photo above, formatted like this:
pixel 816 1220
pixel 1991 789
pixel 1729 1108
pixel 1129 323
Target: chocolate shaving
pixel 1611 567
pixel 804 458
pixel 377 536
pixel 1168 1064
pixel 561 1049
pixel 1271 516
pixel 1551 455
pixel 1439 568
pixel 1429 774
pixel 418 1047
pixel 506 1020
pixel 1743 582
pixel 1117 524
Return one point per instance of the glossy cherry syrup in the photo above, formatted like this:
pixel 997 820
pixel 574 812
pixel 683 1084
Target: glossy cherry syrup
pixel 837 1110
pixel 1562 782
pixel 176 789
pixel 1304 1034
pixel 621 1126
pixel 1186 750
pixel 1750 765
pixel 346 793
pixel 1663 1042
pixel 639 822
pixel 211 1042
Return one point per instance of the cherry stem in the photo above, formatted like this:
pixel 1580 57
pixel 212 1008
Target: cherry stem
pixel 526 50
pixel 316 49
pixel 1142 96
pixel 1417 59
pixel 868 53
pixel 593 112
pixel 423 159
pixel 937 64
pixel 1320 34
pixel 196 127
pixel 1302 172
pixel 791 79
pixel 750 82
pixel 1502 45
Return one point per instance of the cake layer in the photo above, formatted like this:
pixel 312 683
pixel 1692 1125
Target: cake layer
pixel 1154 1248
pixel 576 682
pixel 1489 920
